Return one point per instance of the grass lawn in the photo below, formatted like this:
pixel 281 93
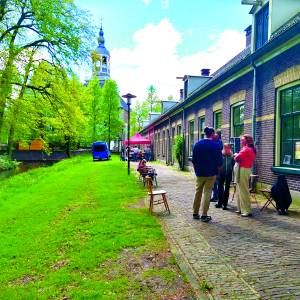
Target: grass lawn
pixel 76 230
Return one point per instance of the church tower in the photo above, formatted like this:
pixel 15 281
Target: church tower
pixel 102 59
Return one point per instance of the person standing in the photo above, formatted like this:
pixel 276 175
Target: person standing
pixel 147 153
pixel 207 160
pixel 217 137
pixel 245 158
pixel 225 177
pixel 135 150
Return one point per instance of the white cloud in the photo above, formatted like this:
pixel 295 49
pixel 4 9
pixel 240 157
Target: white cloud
pixel 154 59
pixel 147 2
pixel 165 4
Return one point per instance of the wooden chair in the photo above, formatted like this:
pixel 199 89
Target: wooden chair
pixel 160 193
pixel 267 194
pixel 148 171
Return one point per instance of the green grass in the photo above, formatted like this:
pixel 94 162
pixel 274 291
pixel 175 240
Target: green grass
pixel 63 229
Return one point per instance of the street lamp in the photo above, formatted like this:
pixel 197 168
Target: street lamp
pixel 128 97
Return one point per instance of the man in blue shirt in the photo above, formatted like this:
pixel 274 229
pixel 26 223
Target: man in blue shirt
pixel 207 161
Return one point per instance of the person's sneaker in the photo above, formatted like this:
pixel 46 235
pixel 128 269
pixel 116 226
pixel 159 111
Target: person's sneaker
pixel 213 200
pixel 246 215
pixel 225 208
pixel 237 211
pixel 205 218
pixel 196 216
pixel 218 205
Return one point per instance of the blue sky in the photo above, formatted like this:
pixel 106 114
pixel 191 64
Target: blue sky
pixel 158 40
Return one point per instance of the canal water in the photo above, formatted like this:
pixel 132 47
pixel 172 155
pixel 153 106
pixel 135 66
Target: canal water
pixel 24 167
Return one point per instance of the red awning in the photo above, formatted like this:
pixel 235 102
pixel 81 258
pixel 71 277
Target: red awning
pixel 137 139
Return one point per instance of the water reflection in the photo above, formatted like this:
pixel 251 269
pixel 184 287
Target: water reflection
pixel 24 167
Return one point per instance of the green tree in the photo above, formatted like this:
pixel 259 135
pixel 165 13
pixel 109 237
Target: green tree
pixel 51 108
pixel 57 27
pixel 93 110
pixel 16 104
pixel 139 114
pixel 153 102
pixel 110 112
pixel 178 151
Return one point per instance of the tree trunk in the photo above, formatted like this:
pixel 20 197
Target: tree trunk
pixel 5 90
pixel 68 146
pixel 109 138
pixel 16 108
pixel 5 81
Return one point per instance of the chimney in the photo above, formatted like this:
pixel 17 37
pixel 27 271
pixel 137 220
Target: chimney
pixel 181 95
pixel 248 31
pixel 205 72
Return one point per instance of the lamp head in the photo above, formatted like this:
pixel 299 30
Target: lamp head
pixel 128 97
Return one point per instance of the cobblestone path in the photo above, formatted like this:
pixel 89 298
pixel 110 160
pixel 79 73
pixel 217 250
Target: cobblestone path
pixel 241 258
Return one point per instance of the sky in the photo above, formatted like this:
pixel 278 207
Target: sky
pixel 151 42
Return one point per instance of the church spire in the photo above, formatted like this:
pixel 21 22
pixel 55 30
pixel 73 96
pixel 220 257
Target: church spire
pixel 101 39
pixel 103 59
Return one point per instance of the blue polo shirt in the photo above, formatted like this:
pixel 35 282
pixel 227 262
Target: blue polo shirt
pixel 207 157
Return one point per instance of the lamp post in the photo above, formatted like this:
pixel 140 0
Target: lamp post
pixel 128 97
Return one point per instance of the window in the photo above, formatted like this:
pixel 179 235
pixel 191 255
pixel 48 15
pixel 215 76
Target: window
pixel 218 120
pixel 158 144
pixel 201 125
pixel 290 127
pixel 99 148
pixel 163 143
pixel 191 137
pixel 237 114
pixel 173 133
pixel 261 23
pixel 178 129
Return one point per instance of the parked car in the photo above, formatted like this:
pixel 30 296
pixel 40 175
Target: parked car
pixel 100 151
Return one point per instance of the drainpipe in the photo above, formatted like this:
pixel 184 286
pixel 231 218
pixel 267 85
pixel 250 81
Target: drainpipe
pixel 254 112
pixel 183 135
pixel 169 144
pixel 254 92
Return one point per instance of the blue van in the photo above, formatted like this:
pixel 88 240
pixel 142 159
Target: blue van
pixel 100 151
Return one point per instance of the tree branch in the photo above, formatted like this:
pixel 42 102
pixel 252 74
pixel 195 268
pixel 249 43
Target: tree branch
pixel 41 89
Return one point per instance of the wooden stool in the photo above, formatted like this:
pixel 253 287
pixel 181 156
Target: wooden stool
pixel 161 193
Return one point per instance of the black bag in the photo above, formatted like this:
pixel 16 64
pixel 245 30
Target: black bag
pixel 281 194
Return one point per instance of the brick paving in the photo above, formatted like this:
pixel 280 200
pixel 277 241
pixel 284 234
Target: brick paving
pixel 242 258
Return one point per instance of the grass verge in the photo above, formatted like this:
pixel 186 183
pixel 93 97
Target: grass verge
pixel 73 231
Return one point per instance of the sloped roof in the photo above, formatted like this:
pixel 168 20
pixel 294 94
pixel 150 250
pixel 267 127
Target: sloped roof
pixel 284 33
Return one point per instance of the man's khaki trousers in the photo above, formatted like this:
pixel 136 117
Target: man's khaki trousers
pixel 203 184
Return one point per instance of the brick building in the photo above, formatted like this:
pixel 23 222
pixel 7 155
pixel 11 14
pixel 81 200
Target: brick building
pixel 257 92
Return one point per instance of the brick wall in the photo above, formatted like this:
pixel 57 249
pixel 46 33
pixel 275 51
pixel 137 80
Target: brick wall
pixel 266 105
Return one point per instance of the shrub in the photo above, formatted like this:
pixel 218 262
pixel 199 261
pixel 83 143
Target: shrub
pixel 178 150
pixel 7 164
